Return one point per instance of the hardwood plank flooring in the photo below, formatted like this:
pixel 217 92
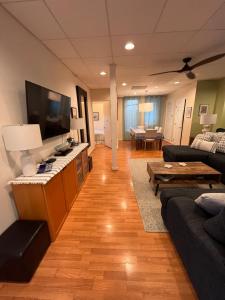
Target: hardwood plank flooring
pixel 102 251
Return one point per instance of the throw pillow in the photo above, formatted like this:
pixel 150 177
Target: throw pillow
pixel 215 227
pixel 215 136
pixel 204 145
pixel 213 203
pixel 221 145
pixel 204 137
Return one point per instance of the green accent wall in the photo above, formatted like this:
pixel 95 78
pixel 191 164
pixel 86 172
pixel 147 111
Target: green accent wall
pixel 220 105
pixel 211 92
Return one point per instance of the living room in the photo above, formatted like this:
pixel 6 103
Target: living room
pixel 102 222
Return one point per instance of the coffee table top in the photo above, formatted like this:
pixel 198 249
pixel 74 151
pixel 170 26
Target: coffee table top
pixel 192 168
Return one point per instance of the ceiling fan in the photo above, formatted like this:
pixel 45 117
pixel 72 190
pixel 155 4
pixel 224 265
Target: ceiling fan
pixel 187 69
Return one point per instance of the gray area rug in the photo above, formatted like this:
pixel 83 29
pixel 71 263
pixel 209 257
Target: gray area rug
pixel 149 204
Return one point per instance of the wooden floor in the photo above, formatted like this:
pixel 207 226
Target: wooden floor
pixel 102 251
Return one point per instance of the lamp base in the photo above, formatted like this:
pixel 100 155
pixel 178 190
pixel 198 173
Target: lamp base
pixel 206 128
pixel 28 165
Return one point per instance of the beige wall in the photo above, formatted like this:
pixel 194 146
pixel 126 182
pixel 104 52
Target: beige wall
pixel 188 93
pixel 98 106
pixel 23 57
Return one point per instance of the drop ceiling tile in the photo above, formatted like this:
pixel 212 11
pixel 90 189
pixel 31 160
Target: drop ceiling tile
pixel 171 42
pixel 217 21
pixel 80 18
pixel 35 16
pixel 93 47
pixel 133 16
pixel 61 48
pixel 205 41
pixel 186 15
pixel 76 65
pixel 96 65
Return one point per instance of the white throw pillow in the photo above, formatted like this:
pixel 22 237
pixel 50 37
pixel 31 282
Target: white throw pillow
pixel 213 203
pixel 221 145
pixel 204 145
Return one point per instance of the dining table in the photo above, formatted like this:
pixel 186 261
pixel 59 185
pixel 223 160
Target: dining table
pixel 138 135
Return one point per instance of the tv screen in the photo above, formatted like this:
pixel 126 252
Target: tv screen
pixel 49 109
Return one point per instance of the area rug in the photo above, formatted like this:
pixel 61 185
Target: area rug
pixel 149 204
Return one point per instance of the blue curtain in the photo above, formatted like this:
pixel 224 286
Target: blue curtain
pixel 130 111
pixel 152 119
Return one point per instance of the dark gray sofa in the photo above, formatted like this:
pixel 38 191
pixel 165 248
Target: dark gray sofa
pixel 203 257
pixel 186 153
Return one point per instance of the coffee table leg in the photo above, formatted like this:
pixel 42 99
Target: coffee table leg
pixel 156 189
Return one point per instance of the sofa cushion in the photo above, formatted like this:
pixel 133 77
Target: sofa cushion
pixel 217 161
pixel 212 203
pixel 183 212
pixel 203 257
pixel 215 227
pixel 183 153
pixel 191 193
pixel 204 145
pixel 221 145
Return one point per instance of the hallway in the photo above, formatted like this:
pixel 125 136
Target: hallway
pixel 102 251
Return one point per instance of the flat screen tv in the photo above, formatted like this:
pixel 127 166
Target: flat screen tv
pixel 49 109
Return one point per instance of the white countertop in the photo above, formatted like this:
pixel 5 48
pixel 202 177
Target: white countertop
pixel 58 165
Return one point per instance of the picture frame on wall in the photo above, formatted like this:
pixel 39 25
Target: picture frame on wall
pixel 73 112
pixel 96 116
pixel 203 109
pixel 188 112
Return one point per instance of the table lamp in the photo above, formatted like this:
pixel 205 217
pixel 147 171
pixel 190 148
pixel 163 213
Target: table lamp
pixel 77 124
pixel 23 138
pixel 207 120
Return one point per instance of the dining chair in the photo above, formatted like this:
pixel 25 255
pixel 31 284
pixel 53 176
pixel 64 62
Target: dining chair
pixel 150 137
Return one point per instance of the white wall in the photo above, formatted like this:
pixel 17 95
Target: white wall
pixel 187 92
pixel 23 57
pixel 98 106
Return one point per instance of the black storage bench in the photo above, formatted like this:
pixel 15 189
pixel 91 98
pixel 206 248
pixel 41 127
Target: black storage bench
pixel 22 246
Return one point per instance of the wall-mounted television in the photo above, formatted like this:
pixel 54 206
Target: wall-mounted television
pixel 49 109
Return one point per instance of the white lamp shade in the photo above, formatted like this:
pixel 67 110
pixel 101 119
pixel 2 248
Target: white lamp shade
pixel 145 107
pixel 77 123
pixel 22 137
pixel 208 119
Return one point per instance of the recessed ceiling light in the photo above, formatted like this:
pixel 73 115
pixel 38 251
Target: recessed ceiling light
pixel 156 87
pixel 135 93
pixel 176 82
pixel 129 46
pixel 124 84
pixel 103 73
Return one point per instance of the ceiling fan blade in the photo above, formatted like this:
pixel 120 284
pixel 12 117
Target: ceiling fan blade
pixel 176 71
pixel 190 75
pixel 207 60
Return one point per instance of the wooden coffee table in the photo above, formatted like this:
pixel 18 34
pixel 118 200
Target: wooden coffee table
pixel 193 172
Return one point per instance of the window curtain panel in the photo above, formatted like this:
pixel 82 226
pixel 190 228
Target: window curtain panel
pixel 152 118
pixel 131 115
